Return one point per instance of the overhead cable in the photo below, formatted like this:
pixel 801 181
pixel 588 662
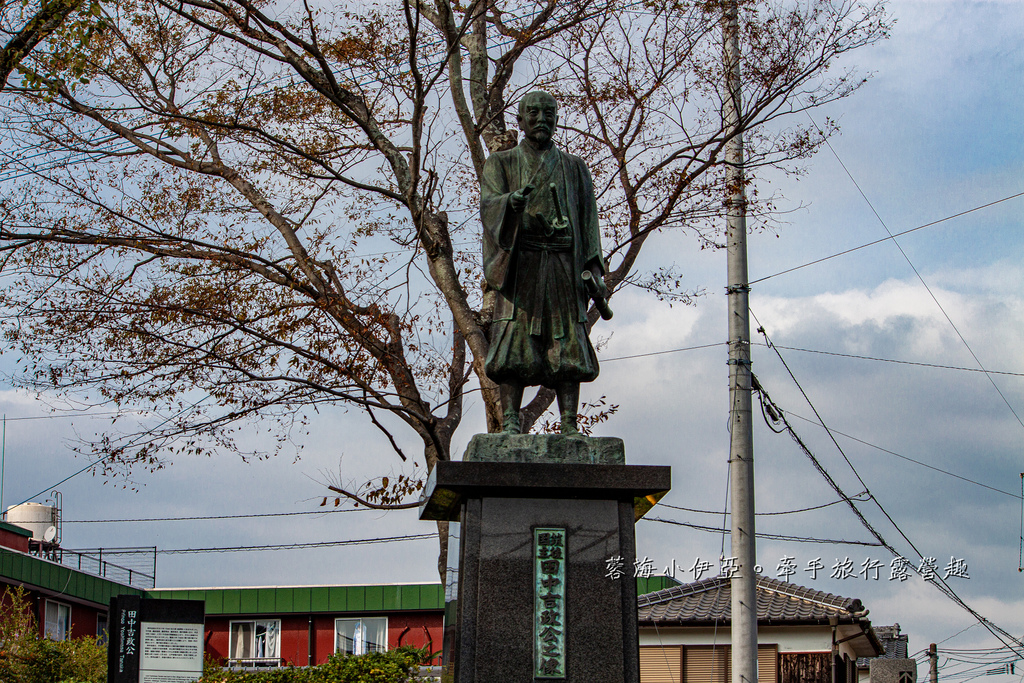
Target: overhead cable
pixel 213 517
pixel 904 457
pixel 283 546
pixel 920 277
pixel 766 514
pixel 902 362
pixel 892 236
pixel 104 457
pixel 940 584
pixel 759 534
pixel 824 353
pixel 659 353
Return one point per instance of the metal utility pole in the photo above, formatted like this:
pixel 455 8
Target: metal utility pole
pixel 741 447
pixel 933 663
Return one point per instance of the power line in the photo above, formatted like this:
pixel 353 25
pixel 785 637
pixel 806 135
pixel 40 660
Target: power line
pixel 284 546
pixel 760 534
pixel 104 457
pixel 892 236
pixel 57 416
pixel 211 517
pixel 918 274
pixel 974 650
pixel 922 364
pixel 904 457
pixel 903 362
pixel 659 353
pixel 940 583
pixel 766 514
pixel 963 630
pixel 1020 560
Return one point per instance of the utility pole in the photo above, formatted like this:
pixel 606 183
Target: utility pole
pixel 3 461
pixel 741 447
pixel 933 663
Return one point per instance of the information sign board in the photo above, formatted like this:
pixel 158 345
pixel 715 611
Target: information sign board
pixel 155 641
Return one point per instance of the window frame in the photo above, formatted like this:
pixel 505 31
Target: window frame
pixel 360 646
pixel 50 633
pixel 767 654
pixel 103 627
pixel 270 659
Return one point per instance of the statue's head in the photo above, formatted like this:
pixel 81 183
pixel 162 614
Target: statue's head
pixel 538 116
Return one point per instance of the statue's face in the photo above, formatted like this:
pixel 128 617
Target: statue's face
pixel 538 118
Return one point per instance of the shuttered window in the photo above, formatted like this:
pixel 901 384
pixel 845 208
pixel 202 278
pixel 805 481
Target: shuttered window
pixel 706 664
pixel 661 664
pixel 767 664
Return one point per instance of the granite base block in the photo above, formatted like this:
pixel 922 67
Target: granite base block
pixel 550 448
pixel 496 591
pixel 499 506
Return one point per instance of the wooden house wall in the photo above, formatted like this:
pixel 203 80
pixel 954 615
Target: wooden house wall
pixel 805 667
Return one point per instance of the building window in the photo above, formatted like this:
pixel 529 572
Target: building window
pixel 57 622
pixel 767 663
pixel 706 664
pixel 255 643
pixel 101 628
pixel 661 664
pixel 359 636
pixel 713 664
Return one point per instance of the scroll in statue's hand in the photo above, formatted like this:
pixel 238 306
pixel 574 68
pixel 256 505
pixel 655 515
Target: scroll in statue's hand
pixel 517 200
pixel 598 276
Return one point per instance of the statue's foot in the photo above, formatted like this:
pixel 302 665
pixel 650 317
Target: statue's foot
pixel 510 423
pixel 569 425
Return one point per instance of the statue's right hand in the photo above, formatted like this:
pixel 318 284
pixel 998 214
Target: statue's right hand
pixel 518 198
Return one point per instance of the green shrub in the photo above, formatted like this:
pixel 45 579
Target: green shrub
pixel 394 666
pixel 25 657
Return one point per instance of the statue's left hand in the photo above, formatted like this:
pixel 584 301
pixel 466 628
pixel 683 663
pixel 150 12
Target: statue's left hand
pixel 595 270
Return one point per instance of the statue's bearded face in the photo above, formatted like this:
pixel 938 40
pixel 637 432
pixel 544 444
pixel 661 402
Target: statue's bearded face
pixel 538 118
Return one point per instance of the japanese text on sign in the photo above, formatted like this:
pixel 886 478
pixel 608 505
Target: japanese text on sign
pixel 549 603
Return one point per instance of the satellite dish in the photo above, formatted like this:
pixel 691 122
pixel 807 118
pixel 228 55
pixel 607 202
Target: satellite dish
pixel 50 534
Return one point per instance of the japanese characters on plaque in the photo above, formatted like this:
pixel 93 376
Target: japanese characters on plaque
pixel 130 630
pixel 549 552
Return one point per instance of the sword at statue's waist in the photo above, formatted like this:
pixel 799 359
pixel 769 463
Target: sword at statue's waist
pixel 560 222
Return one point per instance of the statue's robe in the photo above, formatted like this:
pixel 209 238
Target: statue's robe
pixel 538 333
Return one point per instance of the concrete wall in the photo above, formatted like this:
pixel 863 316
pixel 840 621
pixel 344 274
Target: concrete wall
pixel 893 671
pixel 788 638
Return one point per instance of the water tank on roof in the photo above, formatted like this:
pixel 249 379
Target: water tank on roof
pixel 34 517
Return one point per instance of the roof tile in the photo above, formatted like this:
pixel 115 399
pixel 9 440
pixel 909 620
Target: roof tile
pixel 710 600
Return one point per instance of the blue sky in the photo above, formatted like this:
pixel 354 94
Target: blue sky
pixel 936 131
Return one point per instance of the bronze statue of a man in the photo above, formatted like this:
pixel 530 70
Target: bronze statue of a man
pixel 540 237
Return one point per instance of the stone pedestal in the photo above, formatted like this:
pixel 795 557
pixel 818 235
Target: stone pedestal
pixel 539 525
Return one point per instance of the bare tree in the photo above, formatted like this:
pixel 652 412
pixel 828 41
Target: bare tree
pixel 234 212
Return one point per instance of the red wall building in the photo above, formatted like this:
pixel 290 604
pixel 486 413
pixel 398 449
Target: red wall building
pixel 263 626
pixel 302 625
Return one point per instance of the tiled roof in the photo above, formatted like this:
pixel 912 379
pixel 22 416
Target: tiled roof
pixel 708 601
pixel 896 646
